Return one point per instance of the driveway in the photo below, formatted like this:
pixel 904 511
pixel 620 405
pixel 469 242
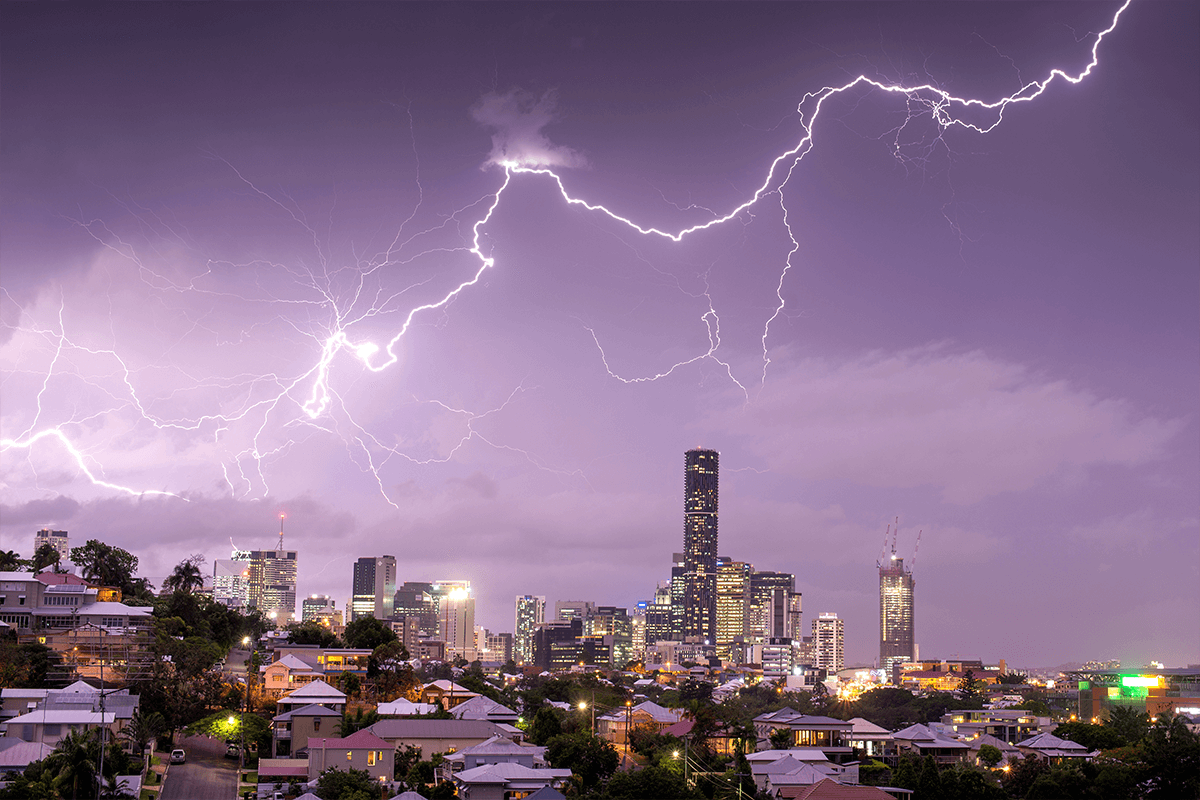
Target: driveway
pixel 207 775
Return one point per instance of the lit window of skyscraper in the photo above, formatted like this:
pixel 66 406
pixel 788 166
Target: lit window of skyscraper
pixel 374 587
pixel 531 612
pixel 828 635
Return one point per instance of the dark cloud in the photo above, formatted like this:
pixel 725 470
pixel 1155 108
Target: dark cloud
pixel 516 119
pixel 51 511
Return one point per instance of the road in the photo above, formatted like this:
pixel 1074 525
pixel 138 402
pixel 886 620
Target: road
pixel 207 775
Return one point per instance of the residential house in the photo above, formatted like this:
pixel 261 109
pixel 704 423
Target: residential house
pixel 448 693
pixel 923 741
pixel 49 727
pixel 317 692
pixel 869 740
pixel 291 730
pixel 404 708
pixel 615 726
pixel 829 789
pixel 361 750
pixel 483 707
pixel 288 673
pixel 436 735
pixel 831 736
pixel 506 780
pixel 1054 750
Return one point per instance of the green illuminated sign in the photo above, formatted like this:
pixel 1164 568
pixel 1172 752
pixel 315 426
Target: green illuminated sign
pixel 1137 680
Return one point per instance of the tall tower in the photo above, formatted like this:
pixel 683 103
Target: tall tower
pixel 700 472
pixel 733 604
pixel 828 636
pixel 531 612
pixel 896 630
pixel 374 584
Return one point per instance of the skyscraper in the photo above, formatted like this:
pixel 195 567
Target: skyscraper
pixel 828 635
pixel 531 612
pixel 775 606
pixel 374 587
pixel 897 640
pixel 733 603
pixel 700 495
pixel 271 582
pixel 231 582
pixel 456 614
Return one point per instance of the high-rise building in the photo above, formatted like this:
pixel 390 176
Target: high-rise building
pixel 828 636
pixel 614 629
pixel 775 607
pixel 56 539
pixel 321 608
pixel 678 589
pixel 457 617
pixel 733 604
pixel 659 619
pixel 897 640
pixel 231 582
pixel 271 583
pixel 374 588
pixel 531 612
pixel 416 599
pixel 701 469
pixel 573 609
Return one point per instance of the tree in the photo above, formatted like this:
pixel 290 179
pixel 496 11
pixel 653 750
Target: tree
pixel 367 633
pixel 782 738
pixel 10 560
pixel 227 726
pixel 1130 723
pixel 311 632
pixel 545 726
pixel 26 666
pixel 350 784
pixel 1171 753
pixel 106 565
pixel 143 728
pixel 588 756
pixel 186 576
pixel 352 723
pixel 389 670
pixel 990 755
pixel 350 683
pixel 1011 678
pixel 45 556
pixel 657 782
pixel 968 687
pixel 73 765
pixel 1093 737
pixel 929 782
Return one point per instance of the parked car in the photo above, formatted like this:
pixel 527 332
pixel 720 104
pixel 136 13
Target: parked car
pixel 233 751
pixel 178 756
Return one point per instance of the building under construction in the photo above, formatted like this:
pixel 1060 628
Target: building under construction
pixel 897 630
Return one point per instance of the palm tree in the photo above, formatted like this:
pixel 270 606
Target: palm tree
pixel 73 764
pixel 186 577
pixel 46 555
pixel 142 729
pixel 10 560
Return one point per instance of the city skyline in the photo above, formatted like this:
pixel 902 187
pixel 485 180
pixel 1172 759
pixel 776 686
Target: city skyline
pixel 218 220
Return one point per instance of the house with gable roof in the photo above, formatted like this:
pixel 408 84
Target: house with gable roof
pixel 291 730
pixel 506 780
pixel 361 750
pixel 1050 748
pixel 483 707
pixel 317 692
pixel 924 741
pixel 288 673
pixel 616 725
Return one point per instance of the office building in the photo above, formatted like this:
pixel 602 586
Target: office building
pixel 231 582
pixel 456 614
pixel 56 539
pixel 701 470
pixel 733 605
pixel 374 587
pixel 271 582
pixel 321 608
pixel 573 609
pixel 897 641
pixel 775 607
pixel 531 612
pixel 659 619
pixel 828 637
pixel 415 599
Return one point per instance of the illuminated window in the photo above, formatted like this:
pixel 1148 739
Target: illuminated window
pixel 349 755
pixel 371 758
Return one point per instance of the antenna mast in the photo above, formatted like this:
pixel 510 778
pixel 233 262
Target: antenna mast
pixel 281 518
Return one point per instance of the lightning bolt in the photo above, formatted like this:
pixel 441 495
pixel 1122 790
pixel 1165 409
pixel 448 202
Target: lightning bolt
pixel 304 401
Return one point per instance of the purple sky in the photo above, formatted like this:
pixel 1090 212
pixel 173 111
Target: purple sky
pixel 993 336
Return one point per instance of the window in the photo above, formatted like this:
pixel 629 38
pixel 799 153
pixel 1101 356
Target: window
pixel 371 758
pixel 349 755
pixel 51 730
pixel 21 600
pixel 317 724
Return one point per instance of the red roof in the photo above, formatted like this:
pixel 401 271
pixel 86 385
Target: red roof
pixel 832 790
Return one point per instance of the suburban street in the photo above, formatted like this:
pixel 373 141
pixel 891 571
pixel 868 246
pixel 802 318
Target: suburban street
pixel 207 775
